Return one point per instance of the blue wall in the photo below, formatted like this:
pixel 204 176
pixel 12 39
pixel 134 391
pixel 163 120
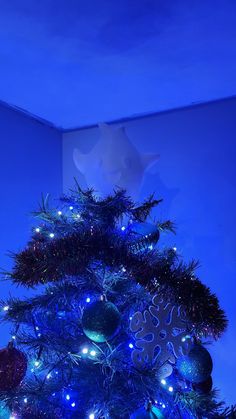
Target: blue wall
pixel 196 176
pixel 30 164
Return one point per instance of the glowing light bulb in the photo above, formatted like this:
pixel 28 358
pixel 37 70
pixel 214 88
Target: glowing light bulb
pixel 59 212
pixel 13 337
pixel 88 299
pixel 123 228
pixel 73 404
pixel 71 208
pixel 163 405
pixel 51 235
pixel 93 353
pixel 84 351
pixel 131 345
pixel 78 215
pixel 170 388
pixel 25 400
pixel 67 397
pixel 150 247
pixel 163 381
pixel 36 328
pixel 36 364
pixel 92 416
pixel 6 308
pixel 49 376
pixel 37 230
pixel 175 249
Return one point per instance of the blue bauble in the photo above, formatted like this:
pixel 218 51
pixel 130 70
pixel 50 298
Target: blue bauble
pixel 101 321
pixel 197 366
pixel 150 413
pixel 5 412
pixel 143 236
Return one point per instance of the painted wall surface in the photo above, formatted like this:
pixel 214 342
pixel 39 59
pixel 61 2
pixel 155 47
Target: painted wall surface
pixel 30 164
pixel 196 176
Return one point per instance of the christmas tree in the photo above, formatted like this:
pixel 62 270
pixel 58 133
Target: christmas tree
pixel 117 327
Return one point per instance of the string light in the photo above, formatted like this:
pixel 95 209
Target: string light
pixel 67 397
pixel 92 416
pixel 163 381
pixel 175 249
pixel 131 345
pixel 36 364
pixel 25 400
pixel 88 299
pixel 93 353
pixel 84 351
pixel 59 212
pixel 6 308
pixel 37 230
pixel 170 388
pixel 123 228
pixel 71 208
pixel 51 235
pixel 73 404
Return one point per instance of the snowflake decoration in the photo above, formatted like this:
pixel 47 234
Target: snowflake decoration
pixel 158 332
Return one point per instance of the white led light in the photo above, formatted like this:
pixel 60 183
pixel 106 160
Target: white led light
pixel 37 230
pixel 73 404
pixel 13 337
pixel 6 308
pixel 163 405
pixel 51 235
pixel 88 299
pixel 59 212
pixel 49 376
pixel 131 345
pixel 71 208
pixel 78 215
pixel 25 400
pixel 93 353
pixel 123 228
pixel 92 416
pixel 163 381
pixel 170 388
pixel 175 249
pixel 36 364
pixel 84 351
pixel 36 327
pixel 67 397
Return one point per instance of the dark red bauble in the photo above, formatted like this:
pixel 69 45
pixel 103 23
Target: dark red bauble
pixel 204 387
pixel 13 366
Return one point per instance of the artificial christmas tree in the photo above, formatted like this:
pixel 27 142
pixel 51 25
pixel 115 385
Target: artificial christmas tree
pixel 117 330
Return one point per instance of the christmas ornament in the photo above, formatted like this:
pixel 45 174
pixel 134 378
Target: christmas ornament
pixel 5 412
pixel 101 321
pixel 158 332
pixel 197 366
pixel 143 236
pixel 147 412
pixel 13 366
pixel 204 387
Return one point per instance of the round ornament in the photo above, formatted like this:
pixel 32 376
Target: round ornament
pixel 13 366
pixel 101 321
pixel 148 412
pixel 205 387
pixel 197 366
pixel 5 412
pixel 143 236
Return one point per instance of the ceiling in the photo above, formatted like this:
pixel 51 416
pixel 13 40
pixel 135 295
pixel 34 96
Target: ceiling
pixel 77 62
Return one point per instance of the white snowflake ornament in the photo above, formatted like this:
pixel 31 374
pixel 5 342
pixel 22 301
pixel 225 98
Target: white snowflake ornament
pixel 159 333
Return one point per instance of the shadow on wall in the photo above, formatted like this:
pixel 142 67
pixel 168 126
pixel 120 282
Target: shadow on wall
pixel 113 162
